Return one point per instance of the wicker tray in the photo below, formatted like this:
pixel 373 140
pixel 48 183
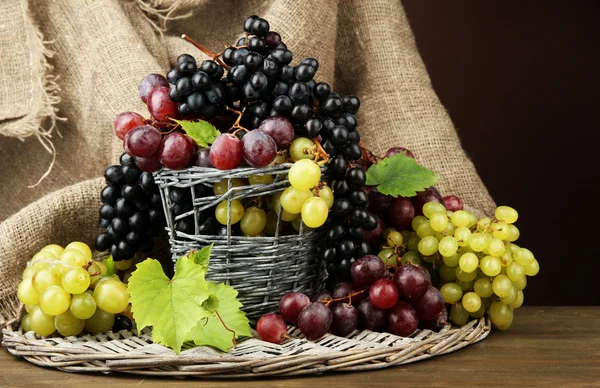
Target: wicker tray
pixel 127 353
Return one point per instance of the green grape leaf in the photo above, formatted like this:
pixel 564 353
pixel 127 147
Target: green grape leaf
pixel 201 257
pixel 211 331
pixel 400 175
pixel 203 132
pixel 173 307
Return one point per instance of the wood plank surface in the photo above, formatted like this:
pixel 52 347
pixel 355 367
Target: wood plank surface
pixel 547 346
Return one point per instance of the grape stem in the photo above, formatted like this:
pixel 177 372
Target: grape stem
pixel 328 301
pixel 226 328
pixel 320 152
pixel 215 57
pixel 368 154
pixel 236 124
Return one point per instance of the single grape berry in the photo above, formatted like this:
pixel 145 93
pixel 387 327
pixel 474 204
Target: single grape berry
pixel 368 269
pixel 149 83
pixel 259 148
pixel 315 320
pixel 291 304
pixel 345 319
pixel 271 328
pixel 383 294
pixel 226 152
pixel 402 319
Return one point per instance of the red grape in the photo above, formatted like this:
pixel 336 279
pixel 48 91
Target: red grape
pixel 400 213
pixel 321 296
pixel 143 141
pixel 367 269
pixel 383 294
pixel 375 234
pixel 149 164
pixel 402 320
pixel 430 195
pixel 453 203
pixel 271 328
pixel 370 317
pixel 160 105
pixel 315 320
pixel 437 323
pixel 342 290
pixel 226 152
pixel 176 151
pixel 379 203
pixel 202 158
pixel 150 82
pixel 125 122
pixel 411 281
pixel 291 304
pixel 396 150
pixel 429 305
pixel 345 319
pixel 259 148
pixel 279 128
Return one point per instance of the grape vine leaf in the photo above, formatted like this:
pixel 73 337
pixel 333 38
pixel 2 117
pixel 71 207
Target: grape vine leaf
pixel 201 257
pixel 203 132
pixel 173 307
pixel 400 175
pixel 212 331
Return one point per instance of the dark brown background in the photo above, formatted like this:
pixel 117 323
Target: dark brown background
pixel 521 81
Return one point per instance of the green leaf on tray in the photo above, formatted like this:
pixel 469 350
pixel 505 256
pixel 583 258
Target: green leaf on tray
pixel 203 132
pixel 400 175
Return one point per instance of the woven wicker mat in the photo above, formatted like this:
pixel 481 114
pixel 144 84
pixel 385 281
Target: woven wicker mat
pixel 127 353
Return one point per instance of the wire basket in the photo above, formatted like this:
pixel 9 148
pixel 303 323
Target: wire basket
pixel 262 269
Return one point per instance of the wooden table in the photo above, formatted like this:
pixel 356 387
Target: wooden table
pixel 547 346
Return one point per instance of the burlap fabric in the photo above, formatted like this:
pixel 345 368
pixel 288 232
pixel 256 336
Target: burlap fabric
pixel 103 48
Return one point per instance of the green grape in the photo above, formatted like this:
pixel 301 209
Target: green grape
pixel 500 230
pixel 515 271
pixel 288 217
pixel 449 231
pixel 73 257
pixel 27 294
pixel 388 257
pixel 253 222
pixel 271 224
pixel 462 234
pixel 222 187
pixel 301 148
pixel 413 243
pixel 465 276
pixel 314 212
pixel 237 212
pixel 40 265
pixel 111 296
pixel 465 285
pixel 411 257
pixel 460 218
pixel 394 239
pixel 67 324
pixel 60 268
pixel 83 305
pixel 468 263
pixel 496 247
pixel 458 314
pixel 418 220
pixel 326 193
pixel 483 287
pixel 502 285
pixel 406 234
pixel 29 307
pixel 506 258
pixel 296 224
pixel 55 249
pixel 483 224
pixel 507 214
pixel 81 247
pixel 428 245
pixel 491 266
pixel 292 199
pixel 44 279
pixel 471 302
pixel 451 261
pixel 304 174
pixel 260 179
pixel 41 323
pixel 522 256
pixel 451 292
pixel 448 246
pixel 100 322
pixel 28 273
pixel 106 278
pixel 438 221
pixel 521 284
pixel 478 242
pixel 76 281
pixel 432 207
pixel 479 313
pixel 425 230
pixel 447 273
pixel 449 213
pixel 533 268
pixel 511 248
pixel 513 233
pixel 501 315
pixel 387 231
pixel 94 272
pixel 26 323
pixel 511 297
pixel 518 301
pixel 43 256
pixel 55 300
pixel 123 265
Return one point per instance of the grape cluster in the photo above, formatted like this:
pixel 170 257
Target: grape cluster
pixel 64 290
pixel 131 210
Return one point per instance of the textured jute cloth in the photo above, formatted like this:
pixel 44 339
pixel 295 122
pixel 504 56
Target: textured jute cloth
pixel 82 60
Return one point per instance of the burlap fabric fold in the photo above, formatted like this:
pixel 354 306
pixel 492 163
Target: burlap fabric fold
pixel 101 49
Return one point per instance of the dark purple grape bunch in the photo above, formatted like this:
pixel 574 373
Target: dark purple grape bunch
pixel 131 211
pixel 198 90
pixel 183 212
